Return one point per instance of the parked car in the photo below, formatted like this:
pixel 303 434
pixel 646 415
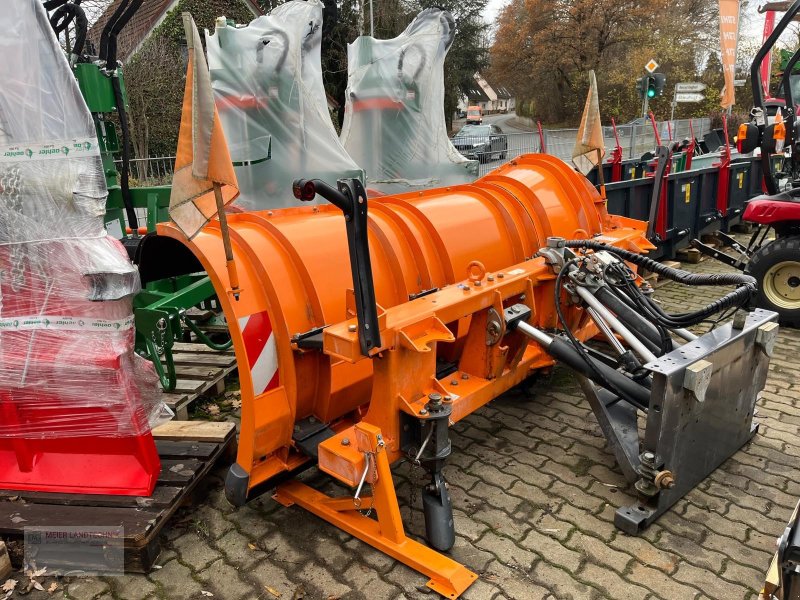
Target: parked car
pixel 474 115
pixel 481 142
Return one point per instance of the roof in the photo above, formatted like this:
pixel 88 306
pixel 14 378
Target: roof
pixel 503 92
pixel 136 31
pixel 476 94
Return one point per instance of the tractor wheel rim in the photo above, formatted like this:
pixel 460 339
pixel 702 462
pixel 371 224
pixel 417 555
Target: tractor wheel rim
pixel 782 285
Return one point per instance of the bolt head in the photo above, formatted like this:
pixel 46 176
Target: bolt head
pixel 454 382
pixel 435 397
pixel 345 441
pixel 351 328
pixel 649 456
pixel 423 411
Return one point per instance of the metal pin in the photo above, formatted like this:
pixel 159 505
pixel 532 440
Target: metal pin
pixel 357 495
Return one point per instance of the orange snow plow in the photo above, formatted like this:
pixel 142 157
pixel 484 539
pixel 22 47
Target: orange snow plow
pixel 364 328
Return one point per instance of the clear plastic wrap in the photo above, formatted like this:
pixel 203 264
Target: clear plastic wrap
pixel 267 80
pixel 67 365
pixel 394 125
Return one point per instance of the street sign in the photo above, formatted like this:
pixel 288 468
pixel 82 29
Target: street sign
pixel 651 65
pixel 687 97
pixel 694 86
pixel 739 82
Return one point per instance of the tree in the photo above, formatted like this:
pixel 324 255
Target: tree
pixel 544 48
pixel 155 75
pixel 154 81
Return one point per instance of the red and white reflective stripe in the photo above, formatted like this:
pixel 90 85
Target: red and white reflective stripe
pixel 262 354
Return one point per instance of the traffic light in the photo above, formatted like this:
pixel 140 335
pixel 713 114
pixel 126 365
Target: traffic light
pixel 640 87
pixel 661 82
pixel 650 86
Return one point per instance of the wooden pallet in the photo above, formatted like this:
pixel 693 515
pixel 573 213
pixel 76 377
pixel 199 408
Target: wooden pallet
pixel 188 451
pixel 199 370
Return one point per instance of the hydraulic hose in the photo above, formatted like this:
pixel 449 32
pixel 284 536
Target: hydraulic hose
pixel 647 332
pixel 599 372
pixel 133 221
pixel 746 285
pixel 61 19
pixel 634 393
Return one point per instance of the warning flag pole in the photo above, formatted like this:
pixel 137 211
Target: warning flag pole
pixel 204 181
pixel 233 275
pixel 601 179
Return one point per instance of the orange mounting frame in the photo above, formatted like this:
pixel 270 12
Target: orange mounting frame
pixel 404 376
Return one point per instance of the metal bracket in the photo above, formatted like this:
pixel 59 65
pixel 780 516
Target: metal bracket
pixel 495 328
pixel 516 313
pixel 717 255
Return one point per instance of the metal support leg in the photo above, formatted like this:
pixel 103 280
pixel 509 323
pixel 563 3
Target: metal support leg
pixel 448 577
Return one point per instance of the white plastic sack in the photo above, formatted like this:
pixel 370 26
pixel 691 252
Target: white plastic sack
pixel 394 125
pixel 267 80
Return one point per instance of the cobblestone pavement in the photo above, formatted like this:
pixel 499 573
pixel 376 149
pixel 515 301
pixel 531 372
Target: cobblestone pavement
pixel 534 491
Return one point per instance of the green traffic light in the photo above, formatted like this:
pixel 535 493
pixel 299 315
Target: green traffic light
pixel 651 93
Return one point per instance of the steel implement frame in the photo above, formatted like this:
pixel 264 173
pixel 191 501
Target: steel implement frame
pixel 405 377
pixel 701 412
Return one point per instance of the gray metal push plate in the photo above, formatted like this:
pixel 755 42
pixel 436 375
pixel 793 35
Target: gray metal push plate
pixel 708 343
pixel 701 407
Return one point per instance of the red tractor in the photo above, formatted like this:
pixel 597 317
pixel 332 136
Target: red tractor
pixel 774 263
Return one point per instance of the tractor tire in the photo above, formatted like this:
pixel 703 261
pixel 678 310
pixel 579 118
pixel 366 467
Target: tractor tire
pixel 776 268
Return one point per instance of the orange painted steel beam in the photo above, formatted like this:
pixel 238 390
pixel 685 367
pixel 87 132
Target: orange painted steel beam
pixel 386 533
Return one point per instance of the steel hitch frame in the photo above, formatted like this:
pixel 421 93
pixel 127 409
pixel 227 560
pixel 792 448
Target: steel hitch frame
pixel 727 242
pixel 699 413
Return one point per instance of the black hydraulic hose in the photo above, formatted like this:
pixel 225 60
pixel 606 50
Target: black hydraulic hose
pixel 109 26
pixel 61 19
pixel 746 285
pixel 51 4
pixel 678 275
pixel 564 351
pixel 665 343
pixel 133 221
pixel 648 333
pixel 402 58
pixel 111 56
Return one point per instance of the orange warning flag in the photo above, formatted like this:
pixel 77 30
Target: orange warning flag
pixel 202 163
pixel 589 146
pixel 728 40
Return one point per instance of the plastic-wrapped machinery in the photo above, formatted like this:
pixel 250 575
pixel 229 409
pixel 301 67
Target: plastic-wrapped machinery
pixel 394 125
pixel 76 403
pixel 267 80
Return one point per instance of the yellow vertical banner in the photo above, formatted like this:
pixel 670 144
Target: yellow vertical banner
pixel 728 37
